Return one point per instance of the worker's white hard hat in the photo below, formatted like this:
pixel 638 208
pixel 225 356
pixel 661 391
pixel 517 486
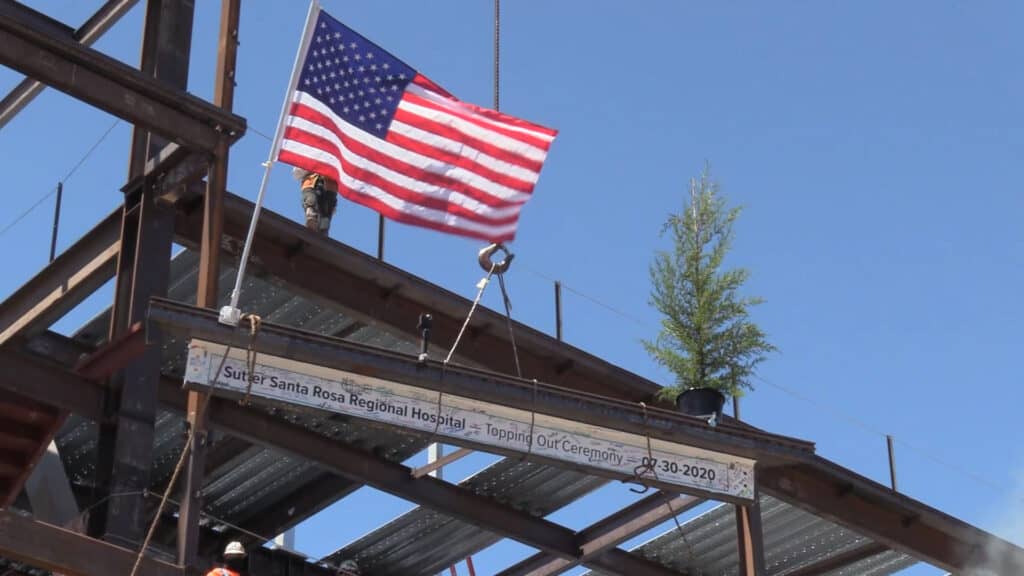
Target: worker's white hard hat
pixel 348 567
pixel 299 173
pixel 234 550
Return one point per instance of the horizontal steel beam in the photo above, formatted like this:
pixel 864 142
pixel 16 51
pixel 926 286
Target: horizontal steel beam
pixel 384 295
pixel 842 560
pixel 441 462
pixel 25 540
pixel 114 355
pixel 192 322
pixel 110 85
pixel 64 283
pixel 821 487
pixel 393 478
pixel 87 34
pixel 50 383
pixel 359 466
pixel 608 533
pixel 91 261
pixel 894 520
pixel 396 479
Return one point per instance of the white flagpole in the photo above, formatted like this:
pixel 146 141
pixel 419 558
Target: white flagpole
pixel 230 314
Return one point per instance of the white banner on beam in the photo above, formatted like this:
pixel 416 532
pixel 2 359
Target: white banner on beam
pixel 462 418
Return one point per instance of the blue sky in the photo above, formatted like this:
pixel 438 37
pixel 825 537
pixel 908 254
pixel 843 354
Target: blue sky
pixel 874 145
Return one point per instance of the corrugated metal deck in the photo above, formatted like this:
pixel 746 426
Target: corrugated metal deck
pixel 256 480
pixel 259 480
pixel 793 539
pixel 423 542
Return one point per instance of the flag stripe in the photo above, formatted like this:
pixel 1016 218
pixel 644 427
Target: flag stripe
pixel 452 152
pixel 395 208
pixel 417 96
pixel 408 115
pixel 361 168
pixel 425 87
pixel 485 140
pixel 411 163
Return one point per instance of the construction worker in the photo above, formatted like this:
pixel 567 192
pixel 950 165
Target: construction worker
pixel 319 199
pixel 348 568
pixel 234 561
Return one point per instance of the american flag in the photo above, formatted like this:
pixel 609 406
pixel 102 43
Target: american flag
pixel 403 146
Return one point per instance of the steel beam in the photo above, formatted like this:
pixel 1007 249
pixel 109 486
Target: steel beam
pixel 384 295
pixel 110 85
pixel 50 383
pixel 841 560
pixel 311 498
pixel 396 479
pixel 440 462
pixel 64 283
pixel 608 533
pixel 821 487
pixel 485 386
pixel 51 548
pixel 91 261
pixel 114 355
pixel 894 520
pixel 87 34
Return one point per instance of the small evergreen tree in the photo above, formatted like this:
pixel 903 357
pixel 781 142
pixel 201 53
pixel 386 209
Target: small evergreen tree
pixel 707 339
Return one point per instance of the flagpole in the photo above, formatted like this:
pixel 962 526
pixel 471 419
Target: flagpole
pixel 231 314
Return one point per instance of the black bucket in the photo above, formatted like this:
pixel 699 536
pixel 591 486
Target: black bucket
pixel 701 402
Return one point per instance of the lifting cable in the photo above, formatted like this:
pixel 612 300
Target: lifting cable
pixel 481 286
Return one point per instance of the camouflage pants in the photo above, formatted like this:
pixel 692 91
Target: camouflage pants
pixel 319 206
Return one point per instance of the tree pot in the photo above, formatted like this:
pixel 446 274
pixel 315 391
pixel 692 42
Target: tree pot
pixel 701 402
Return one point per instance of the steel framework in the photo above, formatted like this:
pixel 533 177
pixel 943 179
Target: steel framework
pixel 177 139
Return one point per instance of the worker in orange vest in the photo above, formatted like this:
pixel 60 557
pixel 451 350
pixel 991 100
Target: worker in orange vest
pixel 234 562
pixel 319 199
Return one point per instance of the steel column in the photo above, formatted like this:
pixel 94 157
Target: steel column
pixel 207 291
pixel 126 440
pixel 750 540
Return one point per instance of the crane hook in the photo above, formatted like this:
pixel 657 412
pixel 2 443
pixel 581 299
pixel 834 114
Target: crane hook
pixel 485 255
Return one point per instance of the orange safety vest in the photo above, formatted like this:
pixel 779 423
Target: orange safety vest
pixel 310 181
pixel 222 572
